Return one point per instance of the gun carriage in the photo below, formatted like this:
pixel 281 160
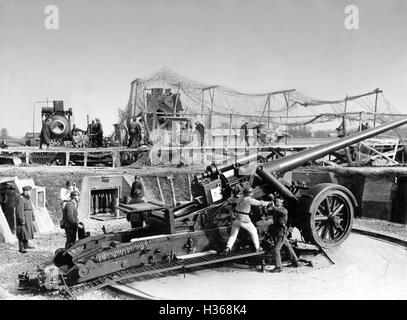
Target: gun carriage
pixel 323 215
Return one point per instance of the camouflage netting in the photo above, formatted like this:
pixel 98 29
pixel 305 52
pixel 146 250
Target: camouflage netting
pixel 199 98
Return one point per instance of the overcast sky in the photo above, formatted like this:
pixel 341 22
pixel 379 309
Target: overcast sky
pixel 251 46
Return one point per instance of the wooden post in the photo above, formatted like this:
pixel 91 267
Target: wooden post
pixel 230 128
pixel 159 189
pixel 360 120
pixel 375 108
pixel 85 158
pixel 344 117
pixel 268 112
pixel 27 157
pixel 189 188
pixel 67 158
pixel 134 105
pixel 202 106
pixel 286 118
pixel 212 96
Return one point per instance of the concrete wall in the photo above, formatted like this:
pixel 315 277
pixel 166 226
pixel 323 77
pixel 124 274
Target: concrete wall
pixel 100 182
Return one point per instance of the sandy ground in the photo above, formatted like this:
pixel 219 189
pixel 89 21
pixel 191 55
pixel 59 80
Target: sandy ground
pixel 13 262
pixel 364 268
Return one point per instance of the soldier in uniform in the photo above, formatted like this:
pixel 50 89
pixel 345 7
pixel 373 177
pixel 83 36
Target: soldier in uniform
pixel 137 196
pixel 11 200
pixel 244 132
pixel 25 218
pixel 280 217
pixel 242 219
pixel 98 134
pixel 134 133
pixel 45 135
pixel 70 219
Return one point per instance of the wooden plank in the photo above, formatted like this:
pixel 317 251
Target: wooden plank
pixel 159 188
pixel 379 153
pixel 189 188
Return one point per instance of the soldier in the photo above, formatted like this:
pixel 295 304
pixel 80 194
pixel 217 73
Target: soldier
pixel 134 133
pixel 70 219
pixel 45 135
pixel 98 134
pixel 200 129
pixel 244 132
pixel 280 217
pixel 25 218
pixel 11 200
pixel 65 192
pixel 137 190
pixel 242 219
pixel 137 196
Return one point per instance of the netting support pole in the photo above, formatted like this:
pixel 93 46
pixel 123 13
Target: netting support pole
pixel 134 106
pixel 375 108
pixel 212 96
pixel 286 118
pixel 230 128
pixel 268 112
pixel 361 121
pixel 202 105
pixel 344 117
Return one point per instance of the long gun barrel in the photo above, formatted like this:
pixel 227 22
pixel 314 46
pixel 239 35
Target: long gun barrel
pixel 298 159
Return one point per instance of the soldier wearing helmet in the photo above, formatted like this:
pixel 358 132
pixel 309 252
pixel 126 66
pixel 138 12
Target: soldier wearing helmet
pixel 242 218
pixel 70 219
pixel 280 217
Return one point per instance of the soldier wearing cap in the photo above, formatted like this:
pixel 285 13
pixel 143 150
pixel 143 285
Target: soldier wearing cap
pixel 280 217
pixel 137 190
pixel 137 196
pixel 25 218
pixel 70 219
pixel 242 218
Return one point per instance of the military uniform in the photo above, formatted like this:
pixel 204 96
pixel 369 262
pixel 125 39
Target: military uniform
pixel 137 195
pixel 70 222
pixel 45 135
pixel 242 220
pixel 98 134
pixel 135 134
pixel 280 217
pixel 10 208
pixel 25 226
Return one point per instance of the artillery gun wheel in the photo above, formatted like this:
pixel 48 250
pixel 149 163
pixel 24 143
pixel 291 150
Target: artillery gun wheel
pixel 329 213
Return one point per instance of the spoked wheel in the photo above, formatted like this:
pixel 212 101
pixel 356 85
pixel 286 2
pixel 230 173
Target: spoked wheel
pixel 330 218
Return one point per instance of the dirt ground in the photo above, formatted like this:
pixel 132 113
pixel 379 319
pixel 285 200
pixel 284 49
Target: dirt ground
pixel 14 262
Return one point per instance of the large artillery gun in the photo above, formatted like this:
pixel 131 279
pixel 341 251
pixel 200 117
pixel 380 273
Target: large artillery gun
pixel 192 234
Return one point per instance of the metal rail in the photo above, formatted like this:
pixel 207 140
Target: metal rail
pixel 183 264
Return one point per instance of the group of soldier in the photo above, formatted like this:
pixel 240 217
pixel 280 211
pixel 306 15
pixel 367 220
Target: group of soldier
pixel 94 131
pixel 69 196
pixel 241 219
pixel 19 213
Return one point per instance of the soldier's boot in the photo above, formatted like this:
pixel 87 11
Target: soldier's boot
pixel 226 252
pixel 21 247
pixel 276 270
pixel 27 245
